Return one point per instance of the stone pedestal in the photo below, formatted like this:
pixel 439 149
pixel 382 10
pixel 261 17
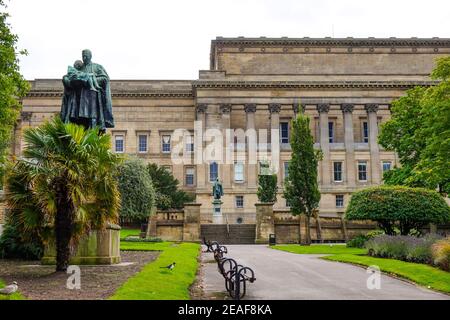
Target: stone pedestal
pixel 191 224
pixel 98 247
pixel 217 212
pixel 264 222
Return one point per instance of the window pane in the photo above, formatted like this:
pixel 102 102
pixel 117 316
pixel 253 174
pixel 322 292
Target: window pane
pixel 166 143
pixel 386 166
pixel 238 171
pixel 286 168
pixel 339 200
pixel 119 144
pixel 190 176
pixel 337 168
pixel 213 171
pixel 239 201
pixel 189 143
pixel 365 132
pixel 362 171
pixel 142 143
pixel 330 131
pixel 284 126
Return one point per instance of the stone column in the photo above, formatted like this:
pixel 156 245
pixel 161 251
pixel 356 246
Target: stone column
pixel 349 142
pixel 323 109
pixel 298 108
pixel 225 110
pixel 191 223
pixel 373 143
pixel 250 110
pixel 199 145
pixel 264 222
pixel 274 109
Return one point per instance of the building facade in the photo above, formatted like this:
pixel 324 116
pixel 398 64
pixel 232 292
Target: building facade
pixel 345 86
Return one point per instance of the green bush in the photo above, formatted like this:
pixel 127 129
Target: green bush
pixel 137 193
pixel 390 206
pixel 13 246
pixel 441 253
pixel 360 240
pixel 267 188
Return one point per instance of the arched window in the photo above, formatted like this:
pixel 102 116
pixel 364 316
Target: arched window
pixel 213 171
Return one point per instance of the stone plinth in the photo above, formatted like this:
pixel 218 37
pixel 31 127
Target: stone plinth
pixel 264 222
pixel 98 247
pixel 191 224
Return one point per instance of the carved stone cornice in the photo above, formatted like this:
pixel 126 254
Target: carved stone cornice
pixel 250 107
pixel 201 108
pixel 323 107
pixel 347 107
pixel 371 107
pixel 225 108
pixel 274 107
pixel 26 116
pixel 166 94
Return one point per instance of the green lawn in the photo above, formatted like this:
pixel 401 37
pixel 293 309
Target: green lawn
pixel 14 296
pixel 155 283
pixel 422 274
pixel 129 232
pixel 319 249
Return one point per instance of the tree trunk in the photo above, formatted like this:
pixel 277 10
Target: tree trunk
pixel 63 226
pixel 308 230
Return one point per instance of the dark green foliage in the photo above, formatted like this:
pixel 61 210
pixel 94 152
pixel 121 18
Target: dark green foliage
pixel 267 188
pixel 358 242
pixel 168 195
pixel 12 86
pixel 137 192
pixel 301 187
pixel 408 208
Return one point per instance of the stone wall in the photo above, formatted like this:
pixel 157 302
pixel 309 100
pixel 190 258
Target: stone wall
pixel 2 208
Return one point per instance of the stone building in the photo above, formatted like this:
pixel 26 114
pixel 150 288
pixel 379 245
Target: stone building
pixel 344 85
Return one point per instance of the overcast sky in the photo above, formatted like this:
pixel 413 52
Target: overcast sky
pixel 170 39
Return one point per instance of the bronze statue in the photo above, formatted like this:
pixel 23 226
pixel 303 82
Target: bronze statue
pixel 217 190
pixel 87 95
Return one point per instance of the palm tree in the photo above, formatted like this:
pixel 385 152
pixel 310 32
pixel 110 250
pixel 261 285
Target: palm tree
pixel 65 181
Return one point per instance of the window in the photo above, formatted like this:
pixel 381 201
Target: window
pixel 190 144
pixel 119 146
pixel 190 176
pixel 213 171
pixel 362 171
pixel 339 201
pixel 166 143
pixel 286 168
pixel 386 166
pixel 238 171
pixel 337 171
pixel 142 143
pixel 331 132
pixel 284 128
pixel 365 132
pixel 239 201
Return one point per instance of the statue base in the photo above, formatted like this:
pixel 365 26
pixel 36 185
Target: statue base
pixel 217 211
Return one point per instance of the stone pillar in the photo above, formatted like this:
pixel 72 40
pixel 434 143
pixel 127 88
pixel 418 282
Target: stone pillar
pixel 264 222
pixel 324 142
pixel 198 145
pixel 226 174
pixel 274 109
pixel 349 142
pixel 191 224
pixel 250 110
pixel 373 143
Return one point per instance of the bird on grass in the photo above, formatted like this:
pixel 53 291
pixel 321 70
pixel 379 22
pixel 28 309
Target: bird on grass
pixel 12 288
pixel 170 266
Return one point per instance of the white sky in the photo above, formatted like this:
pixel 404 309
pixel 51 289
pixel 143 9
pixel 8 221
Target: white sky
pixel 170 39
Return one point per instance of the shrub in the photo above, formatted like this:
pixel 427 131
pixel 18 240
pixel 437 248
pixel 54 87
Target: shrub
pixel 360 240
pixel 409 208
pixel 441 253
pixel 407 248
pixel 267 188
pixel 136 189
pixel 13 246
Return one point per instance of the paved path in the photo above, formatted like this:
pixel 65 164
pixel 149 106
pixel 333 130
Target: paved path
pixel 284 275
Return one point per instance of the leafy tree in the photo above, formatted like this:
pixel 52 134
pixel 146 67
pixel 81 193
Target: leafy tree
pixel 12 86
pixel 267 185
pixel 136 189
pixel 168 195
pixel 419 131
pixel 65 182
pixel 391 206
pixel 301 187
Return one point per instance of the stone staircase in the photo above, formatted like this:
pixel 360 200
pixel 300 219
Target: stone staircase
pixel 234 234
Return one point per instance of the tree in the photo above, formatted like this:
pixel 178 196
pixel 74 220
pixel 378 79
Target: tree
pixel 137 192
pixel 13 86
pixel 168 195
pixel 301 187
pixel 391 206
pixel 267 185
pixel 65 182
pixel 419 131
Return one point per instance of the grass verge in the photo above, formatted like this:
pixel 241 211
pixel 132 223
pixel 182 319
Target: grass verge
pixel 156 283
pixel 129 232
pixel 14 296
pixel 421 274
pixel 319 249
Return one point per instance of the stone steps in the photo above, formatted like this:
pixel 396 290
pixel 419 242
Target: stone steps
pixel 238 233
